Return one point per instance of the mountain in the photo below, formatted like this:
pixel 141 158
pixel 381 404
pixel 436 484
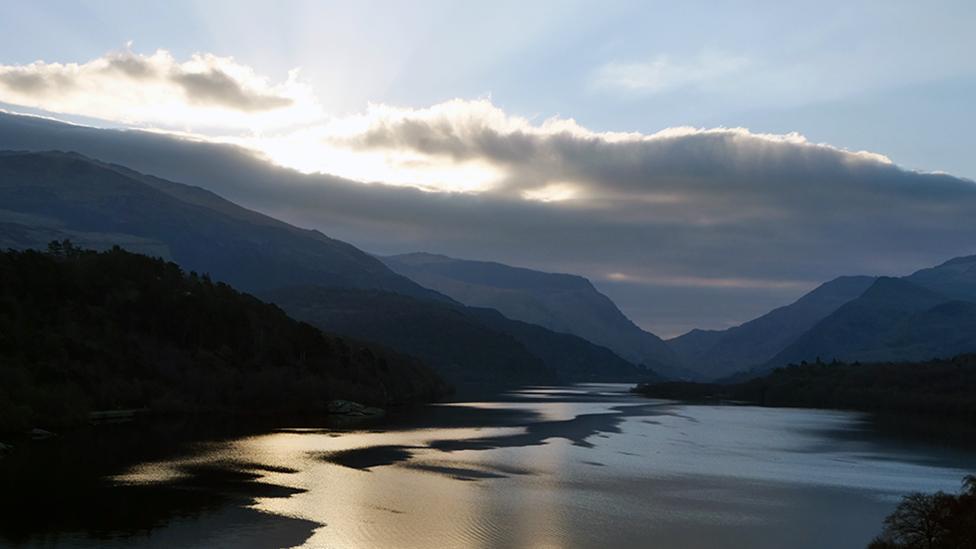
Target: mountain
pixel 473 348
pixel 573 358
pixel 690 347
pixel 955 278
pixel 560 302
pixel 54 195
pixel 928 314
pixel 716 354
pixel 894 320
pixel 453 342
pixel 83 331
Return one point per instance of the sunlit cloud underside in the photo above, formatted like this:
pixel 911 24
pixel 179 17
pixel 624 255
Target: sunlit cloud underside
pixel 456 146
pixel 704 211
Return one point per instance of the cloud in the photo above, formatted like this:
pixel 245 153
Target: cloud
pixel 215 87
pixel 702 227
pixel 474 146
pixel 663 73
pixel 205 91
pixel 705 282
pixel 682 226
pixel 677 168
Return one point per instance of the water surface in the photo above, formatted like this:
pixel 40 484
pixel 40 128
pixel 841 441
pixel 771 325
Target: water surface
pixel 582 466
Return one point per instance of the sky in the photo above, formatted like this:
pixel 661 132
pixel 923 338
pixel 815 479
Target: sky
pixel 702 163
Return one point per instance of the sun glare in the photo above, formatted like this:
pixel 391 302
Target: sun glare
pixel 553 192
pixel 390 167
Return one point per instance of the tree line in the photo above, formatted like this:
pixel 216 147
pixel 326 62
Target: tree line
pixel 939 388
pixel 82 331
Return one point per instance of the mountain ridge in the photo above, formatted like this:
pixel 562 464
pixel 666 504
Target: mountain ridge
pixel 561 302
pixel 894 319
pixel 717 354
pixel 91 197
pixel 56 195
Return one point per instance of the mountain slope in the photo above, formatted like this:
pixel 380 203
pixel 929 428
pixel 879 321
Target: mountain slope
pixel 451 341
pixel 955 278
pixel 573 358
pixel 468 346
pixel 55 195
pixel 690 346
pixel 96 204
pixel 718 354
pixel 560 302
pixel 893 320
pixel 82 331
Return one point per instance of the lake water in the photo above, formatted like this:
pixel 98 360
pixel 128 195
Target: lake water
pixel 581 466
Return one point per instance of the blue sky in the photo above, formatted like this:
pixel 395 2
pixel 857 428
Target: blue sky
pixel 701 162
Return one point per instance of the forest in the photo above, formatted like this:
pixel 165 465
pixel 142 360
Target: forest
pixel 939 388
pixel 84 331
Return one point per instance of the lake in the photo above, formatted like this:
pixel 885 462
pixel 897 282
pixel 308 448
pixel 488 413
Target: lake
pixel 581 466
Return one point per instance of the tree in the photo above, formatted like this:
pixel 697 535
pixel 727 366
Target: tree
pixel 63 248
pixel 969 485
pixel 920 521
pixel 932 521
pixel 54 248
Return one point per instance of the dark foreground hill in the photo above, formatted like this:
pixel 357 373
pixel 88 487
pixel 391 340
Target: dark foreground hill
pixel 83 331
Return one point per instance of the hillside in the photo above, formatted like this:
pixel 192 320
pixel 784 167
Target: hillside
pixel 54 195
pixel 928 314
pixel 955 278
pixel 470 347
pixel 560 302
pixel 83 331
pixel 57 195
pixel 893 320
pixel 717 354
pixel 452 342
pixel 573 358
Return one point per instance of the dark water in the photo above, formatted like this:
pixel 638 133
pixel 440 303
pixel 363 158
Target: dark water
pixel 584 466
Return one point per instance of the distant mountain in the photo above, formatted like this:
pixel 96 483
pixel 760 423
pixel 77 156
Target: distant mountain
pixel 691 346
pixel 84 331
pixel 894 320
pixel 955 278
pixel 573 358
pixel 471 347
pixel 560 302
pixel 929 314
pixel 51 195
pixel 716 354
